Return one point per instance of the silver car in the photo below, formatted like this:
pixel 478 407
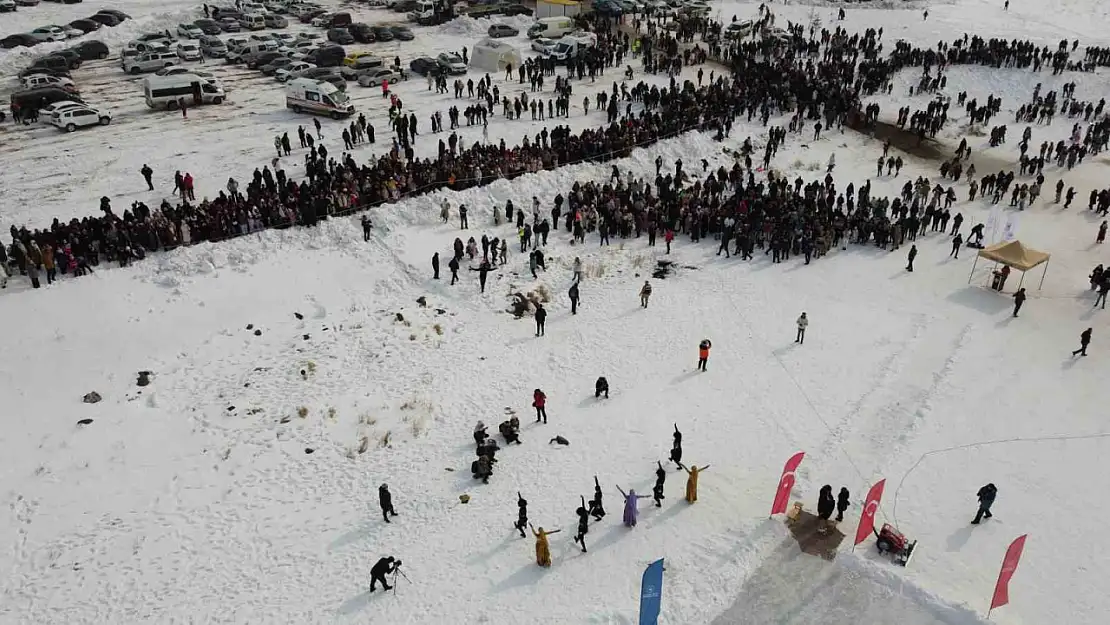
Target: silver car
pixel 213 47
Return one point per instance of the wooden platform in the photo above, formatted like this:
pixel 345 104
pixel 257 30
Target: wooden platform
pixel 804 530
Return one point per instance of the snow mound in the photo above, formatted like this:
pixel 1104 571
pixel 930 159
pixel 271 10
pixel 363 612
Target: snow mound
pixel 467 26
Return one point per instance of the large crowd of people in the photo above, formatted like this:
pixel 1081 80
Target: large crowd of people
pixel 819 80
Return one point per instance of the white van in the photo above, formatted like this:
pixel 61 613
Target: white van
pixel 235 55
pixel 551 27
pixel 305 95
pixel 572 45
pixel 165 91
pixel 252 21
pixel 149 62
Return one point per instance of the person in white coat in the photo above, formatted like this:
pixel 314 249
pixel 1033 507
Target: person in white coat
pixel 803 323
pixel 832 163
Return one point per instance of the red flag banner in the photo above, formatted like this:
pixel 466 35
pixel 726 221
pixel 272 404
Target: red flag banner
pixel 870 507
pixel 786 483
pixel 1009 566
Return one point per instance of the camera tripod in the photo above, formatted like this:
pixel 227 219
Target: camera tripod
pixel 397 571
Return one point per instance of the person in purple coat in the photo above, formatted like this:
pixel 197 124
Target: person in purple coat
pixel 630 509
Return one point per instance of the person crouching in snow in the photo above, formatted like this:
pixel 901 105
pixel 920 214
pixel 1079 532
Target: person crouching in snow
pixel 601 386
pixel 630 506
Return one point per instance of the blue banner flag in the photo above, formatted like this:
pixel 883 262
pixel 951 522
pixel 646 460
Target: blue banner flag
pixel 651 593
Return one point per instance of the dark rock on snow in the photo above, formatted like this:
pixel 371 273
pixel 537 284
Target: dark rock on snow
pixel 144 378
pixel 84 422
pixel 91 398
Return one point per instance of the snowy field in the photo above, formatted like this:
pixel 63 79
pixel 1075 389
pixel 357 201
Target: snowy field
pixel 241 485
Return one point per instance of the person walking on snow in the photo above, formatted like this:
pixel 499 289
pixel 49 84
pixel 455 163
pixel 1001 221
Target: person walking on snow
pixel 803 323
pixel 842 504
pixel 147 173
pixel 1019 299
pixel 986 497
pixel 539 402
pixel 630 506
pixel 1084 340
pixel 385 500
pixel 435 266
pixel 692 481
pixel 912 255
pixel 703 353
pixel 645 294
pixel 573 294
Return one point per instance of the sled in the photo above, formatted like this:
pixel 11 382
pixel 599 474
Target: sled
pixel 895 544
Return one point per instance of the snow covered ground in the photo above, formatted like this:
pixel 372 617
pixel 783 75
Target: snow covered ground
pixel 195 499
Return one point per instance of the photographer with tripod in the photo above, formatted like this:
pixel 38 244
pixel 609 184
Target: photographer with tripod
pixel 384 567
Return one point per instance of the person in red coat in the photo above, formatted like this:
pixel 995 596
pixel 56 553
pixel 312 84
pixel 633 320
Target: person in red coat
pixel 539 402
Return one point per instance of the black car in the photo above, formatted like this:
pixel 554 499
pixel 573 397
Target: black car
pixel 258 60
pixel 72 57
pixel 515 9
pixel 340 36
pixel 307 16
pixel 402 33
pixel 40 97
pixel 91 50
pixel 331 56
pixel 70 1
pixel 207 26
pixel 22 39
pixel 105 19
pixel 382 33
pixel 273 66
pixel 362 32
pixel 424 66
pixel 58 70
pixel 120 14
pixel 56 61
pixel 85 26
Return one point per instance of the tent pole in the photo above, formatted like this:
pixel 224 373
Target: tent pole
pixel 1044 273
pixel 973 265
pixel 1022 281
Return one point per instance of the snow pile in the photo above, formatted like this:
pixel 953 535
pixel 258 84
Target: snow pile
pixel 466 26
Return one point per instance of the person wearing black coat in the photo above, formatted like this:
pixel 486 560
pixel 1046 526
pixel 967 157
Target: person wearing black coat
pixel 986 497
pixel 573 294
pixel 521 514
pixel 660 479
pixel 601 386
pixel 1019 299
pixel 1084 341
pixel 385 500
pixel 597 511
pixel 453 265
pixel 435 266
pixel 826 505
pixel 676 448
pixel 842 504
pixel 384 567
pixel 583 524
pixel 541 317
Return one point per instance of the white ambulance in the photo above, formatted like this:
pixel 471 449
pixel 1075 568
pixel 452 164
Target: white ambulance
pixel 320 97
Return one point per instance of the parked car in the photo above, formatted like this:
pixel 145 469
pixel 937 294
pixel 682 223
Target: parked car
pixel 424 65
pixel 57 69
pixel 510 10
pixel 402 33
pixel 120 14
pixel 7 6
pixel 75 117
pixel 293 70
pixel 273 66
pixel 353 58
pixel 307 17
pixel 364 64
pixel 147 46
pixel 340 36
pixel 330 56
pixel 156 36
pixel 72 57
pixel 213 47
pixel 502 30
pixel 46 80
pixel 55 61
pixel 375 77
pixel 543 45
pixel 275 21
pixel 85 26
pixel 362 33
pixel 27 3
pixel 88 50
pixel 319 73
pixel 334 79
pixel 451 63
pixel 188 51
pixel 49 33
pixel 46 112
pixel 22 39
pixel 41 97
pixel 189 31
pixel 229 24
pixel 106 19
pixel 256 61
pixel 208 27
pixel 382 33
pixel 283 38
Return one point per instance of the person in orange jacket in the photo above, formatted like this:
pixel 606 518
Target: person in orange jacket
pixel 703 353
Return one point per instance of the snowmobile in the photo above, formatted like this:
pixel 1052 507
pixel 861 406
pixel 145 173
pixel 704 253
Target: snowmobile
pixel 891 541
